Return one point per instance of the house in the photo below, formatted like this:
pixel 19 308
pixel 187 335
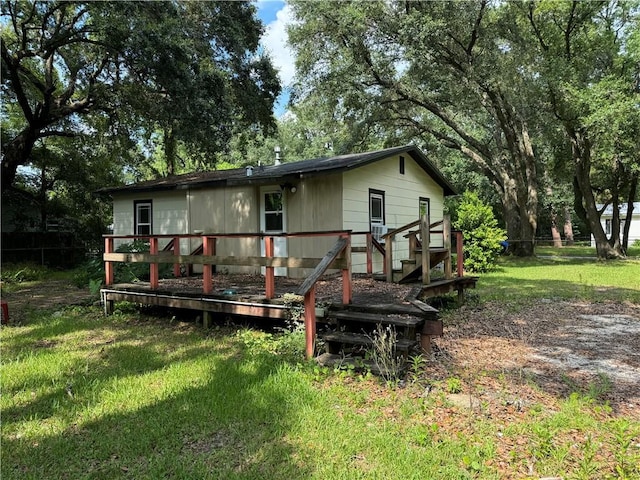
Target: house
pixel 607 217
pixel 364 192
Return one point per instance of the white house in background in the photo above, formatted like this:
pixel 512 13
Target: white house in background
pixel 373 191
pixel 607 217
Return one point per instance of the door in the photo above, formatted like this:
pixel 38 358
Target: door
pixel 273 220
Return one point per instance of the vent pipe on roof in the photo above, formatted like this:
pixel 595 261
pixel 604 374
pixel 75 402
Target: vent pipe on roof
pixel 249 170
pixel 276 150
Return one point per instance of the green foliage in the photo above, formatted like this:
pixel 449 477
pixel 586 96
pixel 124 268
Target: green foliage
pixel 19 273
pixel 481 233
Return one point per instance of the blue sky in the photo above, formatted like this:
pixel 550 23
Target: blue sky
pixel 275 14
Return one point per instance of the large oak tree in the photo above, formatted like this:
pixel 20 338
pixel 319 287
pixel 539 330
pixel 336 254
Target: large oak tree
pixel 191 70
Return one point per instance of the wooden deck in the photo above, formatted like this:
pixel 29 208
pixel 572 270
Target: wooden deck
pixel 265 296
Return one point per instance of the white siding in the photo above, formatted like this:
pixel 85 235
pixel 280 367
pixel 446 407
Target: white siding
pixel 169 213
pixel 402 193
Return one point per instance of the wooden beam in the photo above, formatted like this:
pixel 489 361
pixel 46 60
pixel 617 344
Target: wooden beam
pixel 426 242
pixel 153 266
pixel 310 321
pixel 269 277
pixel 322 266
pixel 108 266
pixel 207 271
pixel 176 253
pixel 369 254
pixel 347 290
pixel 388 258
pixel 446 240
pixel 167 257
pixel 459 254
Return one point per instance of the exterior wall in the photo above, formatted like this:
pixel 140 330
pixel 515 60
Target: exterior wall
pixel 316 205
pixel 634 230
pixel 169 213
pixel 227 210
pixel 402 194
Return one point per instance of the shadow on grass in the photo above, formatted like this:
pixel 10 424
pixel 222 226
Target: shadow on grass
pixel 231 421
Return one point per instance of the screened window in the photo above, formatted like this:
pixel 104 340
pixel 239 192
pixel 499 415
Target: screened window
pixel 607 226
pixel 143 217
pixel 273 218
pixel 376 207
pixel 424 207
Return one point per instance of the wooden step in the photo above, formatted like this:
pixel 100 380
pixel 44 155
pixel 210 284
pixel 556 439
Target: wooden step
pixel 385 308
pixel 362 317
pixel 337 339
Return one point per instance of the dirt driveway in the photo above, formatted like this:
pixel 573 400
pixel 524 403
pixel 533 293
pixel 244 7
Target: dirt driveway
pixel 547 349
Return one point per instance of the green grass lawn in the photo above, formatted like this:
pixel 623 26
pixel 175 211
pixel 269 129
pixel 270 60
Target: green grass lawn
pixel 129 396
pixel 580 251
pixel 520 280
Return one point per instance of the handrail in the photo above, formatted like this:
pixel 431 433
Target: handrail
pixel 415 223
pixel 322 266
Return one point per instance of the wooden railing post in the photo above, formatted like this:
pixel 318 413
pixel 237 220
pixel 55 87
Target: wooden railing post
pixel 269 274
pixel 388 258
pixel 153 266
pixel 347 289
pixel 459 254
pixel 176 252
pixel 369 254
pixel 446 240
pixel 426 255
pixel 108 266
pixel 207 270
pixel 310 321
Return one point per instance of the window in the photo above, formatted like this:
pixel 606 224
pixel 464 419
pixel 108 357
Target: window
pixel 401 165
pixel 607 226
pixel 376 207
pixel 424 206
pixel 142 217
pixel 273 217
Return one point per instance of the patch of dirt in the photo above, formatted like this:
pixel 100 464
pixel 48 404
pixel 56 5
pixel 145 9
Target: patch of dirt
pixel 547 348
pixel 45 295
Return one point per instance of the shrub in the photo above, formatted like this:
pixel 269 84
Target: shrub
pixel 481 233
pixel 18 273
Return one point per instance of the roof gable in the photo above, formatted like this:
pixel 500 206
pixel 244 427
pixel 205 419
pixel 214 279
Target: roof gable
pixel 285 171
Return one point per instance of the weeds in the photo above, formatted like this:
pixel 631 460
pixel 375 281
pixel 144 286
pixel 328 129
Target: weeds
pixel 384 355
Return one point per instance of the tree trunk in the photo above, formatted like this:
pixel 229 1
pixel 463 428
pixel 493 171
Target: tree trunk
pixel 633 188
pixel 170 150
pixel 555 233
pixel 16 153
pixel 568 227
pixel 581 153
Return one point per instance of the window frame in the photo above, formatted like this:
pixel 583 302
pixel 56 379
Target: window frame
pixel 426 200
pixel 379 195
pixel 136 216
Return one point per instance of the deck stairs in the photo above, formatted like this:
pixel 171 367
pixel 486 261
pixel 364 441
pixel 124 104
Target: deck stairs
pixel 352 331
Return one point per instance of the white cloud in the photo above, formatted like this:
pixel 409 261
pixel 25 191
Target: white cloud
pixel 274 41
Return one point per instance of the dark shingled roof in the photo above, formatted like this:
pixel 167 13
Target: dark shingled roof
pixel 283 172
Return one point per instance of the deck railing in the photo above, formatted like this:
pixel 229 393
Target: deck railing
pixel 425 231
pixel 339 257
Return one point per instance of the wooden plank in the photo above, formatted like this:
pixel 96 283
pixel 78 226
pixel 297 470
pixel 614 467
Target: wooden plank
pixel 426 241
pixel 349 338
pixel 379 308
pixel 269 274
pixel 310 322
pixel 432 327
pixel 324 264
pixel 363 317
pixel 168 257
pixel 347 291
pixel 446 239
pixel 153 266
pixel 209 305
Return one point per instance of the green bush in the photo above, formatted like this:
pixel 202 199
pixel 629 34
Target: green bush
pixel 18 273
pixel 91 273
pixel 480 232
